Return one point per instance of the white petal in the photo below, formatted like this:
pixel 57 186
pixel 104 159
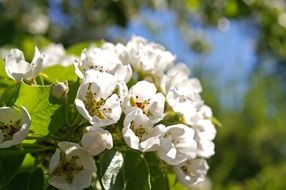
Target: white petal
pixel 144 90
pixel 77 70
pixel 96 140
pixel 82 179
pixel 82 110
pixel 12 115
pixel 195 172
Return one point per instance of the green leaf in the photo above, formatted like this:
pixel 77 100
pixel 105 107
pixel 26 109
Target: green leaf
pixel 25 148
pixel 9 96
pixel 59 73
pixel 137 174
pixel 28 180
pixel 9 166
pixel 40 105
pixel 36 180
pixel 159 178
pixel 174 184
pixel 111 170
pixel 126 170
pixel 28 162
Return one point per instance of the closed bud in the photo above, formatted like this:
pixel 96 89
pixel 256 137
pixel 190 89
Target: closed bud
pixel 60 90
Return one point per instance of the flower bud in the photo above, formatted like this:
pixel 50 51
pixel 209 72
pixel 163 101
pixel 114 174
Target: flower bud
pixel 60 90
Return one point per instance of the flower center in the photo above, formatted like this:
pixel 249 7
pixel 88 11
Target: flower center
pixel 187 170
pixel 141 105
pixel 94 106
pixel 139 131
pixel 67 167
pixel 8 130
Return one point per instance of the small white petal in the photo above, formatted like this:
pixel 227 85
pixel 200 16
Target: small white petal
pixel 96 140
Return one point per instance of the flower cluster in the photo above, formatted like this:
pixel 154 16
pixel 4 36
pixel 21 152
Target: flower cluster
pixel 161 88
pixel 137 88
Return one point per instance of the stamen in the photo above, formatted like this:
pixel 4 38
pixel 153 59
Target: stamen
pixel 67 167
pixel 94 106
pixel 8 130
pixel 139 131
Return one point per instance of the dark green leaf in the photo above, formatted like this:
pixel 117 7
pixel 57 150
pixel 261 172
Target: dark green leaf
pixel 137 174
pixel 28 181
pixel 9 166
pixel 9 96
pixel 26 148
pixel 111 170
pixel 36 180
pixel 127 170
pixel 159 178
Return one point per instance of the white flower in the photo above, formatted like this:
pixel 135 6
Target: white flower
pixel 95 140
pixel 104 60
pixel 205 132
pixel 177 144
pixel 148 57
pixel 139 132
pixel 14 127
pixel 56 55
pixel 96 100
pixel 143 95
pixel 185 99
pixel 71 167
pixel 175 75
pixel 191 172
pixel 17 68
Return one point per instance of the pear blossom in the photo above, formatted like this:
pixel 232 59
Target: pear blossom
pixel 177 144
pixel 71 167
pixel 148 57
pixel 143 95
pixel 96 100
pixel 56 55
pixel 191 172
pixel 175 75
pixel 17 68
pixel 139 132
pixel 185 99
pixel 205 132
pixel 14 126
pixel 95 140
pixel 103 60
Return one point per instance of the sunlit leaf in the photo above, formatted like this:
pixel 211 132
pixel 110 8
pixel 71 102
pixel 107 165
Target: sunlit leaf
pixel 40 105
pixel 60 73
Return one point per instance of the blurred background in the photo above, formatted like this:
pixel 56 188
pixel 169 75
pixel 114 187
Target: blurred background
pixel 237 48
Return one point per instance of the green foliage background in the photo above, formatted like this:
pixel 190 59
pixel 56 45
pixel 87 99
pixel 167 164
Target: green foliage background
pixel 250 145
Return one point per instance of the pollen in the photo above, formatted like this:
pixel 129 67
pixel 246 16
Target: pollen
pixel 68 167
pixel 141 105
pixel 139 131
pixel 94 106
pixel 8 130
